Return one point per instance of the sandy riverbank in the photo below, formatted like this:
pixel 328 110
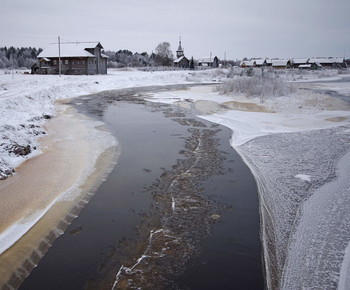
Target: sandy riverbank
pixel 48 190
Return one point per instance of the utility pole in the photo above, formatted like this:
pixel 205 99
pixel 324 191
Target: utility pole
pixel 59 56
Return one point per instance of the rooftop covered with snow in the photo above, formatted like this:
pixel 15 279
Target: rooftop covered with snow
pixel 72 49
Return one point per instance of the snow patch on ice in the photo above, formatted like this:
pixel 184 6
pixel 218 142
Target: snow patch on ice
pixel 303 177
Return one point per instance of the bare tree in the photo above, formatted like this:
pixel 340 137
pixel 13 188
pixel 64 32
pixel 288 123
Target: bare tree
pixel 163 54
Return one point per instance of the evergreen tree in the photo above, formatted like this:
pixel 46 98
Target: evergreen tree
pixel 192 63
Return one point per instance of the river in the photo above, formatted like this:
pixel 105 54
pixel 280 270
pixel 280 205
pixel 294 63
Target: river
pixel 178 211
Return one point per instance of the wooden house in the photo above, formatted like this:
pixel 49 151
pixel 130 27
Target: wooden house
pixel 281 63
pixel 332 62
pixel 209 61
pixel 268 62
pixel 260 62
pixel 296 62
pixel 248 63
pixel 77 58
pixel 182 62
pixel 310 66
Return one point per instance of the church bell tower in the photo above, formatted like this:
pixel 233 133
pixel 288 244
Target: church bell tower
pixel 180 51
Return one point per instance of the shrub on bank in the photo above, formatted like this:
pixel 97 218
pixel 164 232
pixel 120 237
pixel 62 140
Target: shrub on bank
pixel 266 84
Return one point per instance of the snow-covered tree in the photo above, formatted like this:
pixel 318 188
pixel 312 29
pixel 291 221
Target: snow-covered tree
pixel 18 57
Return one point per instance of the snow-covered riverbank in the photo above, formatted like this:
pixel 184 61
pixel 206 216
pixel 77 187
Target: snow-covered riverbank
pixel 27 101
pixel 297 147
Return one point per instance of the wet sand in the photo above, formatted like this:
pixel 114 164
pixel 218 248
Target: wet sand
pixel 47 191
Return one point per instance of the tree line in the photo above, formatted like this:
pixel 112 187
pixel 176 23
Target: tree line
pixel 14 57
pixel 162 56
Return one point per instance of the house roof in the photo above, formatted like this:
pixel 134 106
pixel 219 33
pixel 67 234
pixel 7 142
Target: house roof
pixel 259 61
pixel 327 59
pixel 248 63
pixel 300 60
pixel 280 62
pixel 206 59
pixel 180 58
pixel 74 49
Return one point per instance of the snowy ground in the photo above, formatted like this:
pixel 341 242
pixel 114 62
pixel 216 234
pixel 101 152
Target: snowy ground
pixel 297 147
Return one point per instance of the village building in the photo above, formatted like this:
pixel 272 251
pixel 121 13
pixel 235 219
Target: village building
pixel 310 66
pixel 248 63
pixel 333 62
pixel 281 63
pixel 209 62
pixel 181 61
pixel 254 62
pixel 296 62
pixel 260 62
pixel 268 62
pixel 76 58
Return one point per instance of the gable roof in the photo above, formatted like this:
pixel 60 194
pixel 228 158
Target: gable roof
pixel 260 61
pixel 74 49
pixel 300 60
pixel 327 59
pixel 180 58
pixel 280 62
pixel 248 63
pixel 207 59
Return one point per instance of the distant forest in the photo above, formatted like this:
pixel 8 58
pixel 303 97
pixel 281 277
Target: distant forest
pixel 126 58
pixel 18 57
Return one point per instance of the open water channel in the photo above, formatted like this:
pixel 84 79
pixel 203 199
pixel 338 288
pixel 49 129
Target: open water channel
pixel 178 211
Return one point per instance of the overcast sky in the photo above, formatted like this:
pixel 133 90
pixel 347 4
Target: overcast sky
pixel 241 28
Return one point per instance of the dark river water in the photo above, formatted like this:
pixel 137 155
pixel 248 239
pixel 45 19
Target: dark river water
pixel 178 211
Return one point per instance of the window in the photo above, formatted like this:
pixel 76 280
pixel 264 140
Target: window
pixel 55 62
pixel 66 61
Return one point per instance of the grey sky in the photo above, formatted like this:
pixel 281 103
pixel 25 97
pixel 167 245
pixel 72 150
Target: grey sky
pixel 242 28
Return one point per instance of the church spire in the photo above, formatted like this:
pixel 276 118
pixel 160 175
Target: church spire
pixel 180 51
